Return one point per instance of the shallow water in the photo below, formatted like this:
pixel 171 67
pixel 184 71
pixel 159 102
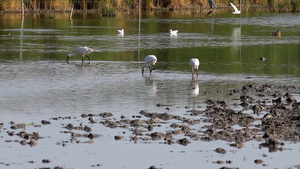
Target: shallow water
pixel 37 83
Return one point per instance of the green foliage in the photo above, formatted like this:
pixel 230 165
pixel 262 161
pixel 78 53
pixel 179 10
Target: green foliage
pixel 110 7
pixel 295 5
pixel 108 11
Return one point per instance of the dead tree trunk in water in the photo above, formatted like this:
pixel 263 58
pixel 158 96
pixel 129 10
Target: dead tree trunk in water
pixel 71 12
pixel 22 6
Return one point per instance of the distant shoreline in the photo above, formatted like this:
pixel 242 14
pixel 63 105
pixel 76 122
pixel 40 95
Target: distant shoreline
pixel 14 6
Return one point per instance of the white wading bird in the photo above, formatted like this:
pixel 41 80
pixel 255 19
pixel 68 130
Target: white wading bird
pixel 121 32
pixel 194 63
pixel 150 61
pixel 83 51
pixel 173 32
pixel 236 11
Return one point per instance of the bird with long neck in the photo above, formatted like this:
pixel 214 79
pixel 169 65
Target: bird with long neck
pixel 150 61
pixel 83 51
pixel 212 6
pixel 194 63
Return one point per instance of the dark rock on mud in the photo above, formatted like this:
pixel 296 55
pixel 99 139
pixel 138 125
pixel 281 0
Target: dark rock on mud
pixel 220 150
pixel 271 143
pixel 160 105
pixel 18 126
pixel 69 126
pixel 90 136
pixel 229 162
pixel 258 161
pixel 23 142
pixel 57 167
pixel 183 141
pixel 32 143
pixel 45 161
pixel 157 136
pixel 105 114
pixel 97 165
pixel 118 137
pixel 87 129
pixel 153 167
pixel 45 122
pixel 219 162
pixel 91 119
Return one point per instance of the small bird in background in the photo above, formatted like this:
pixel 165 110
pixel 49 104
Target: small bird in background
pixel 173 32
pixel 83 51
pixel 236 11
pixel 277 33
pixel 194 63
pixel 121 32
pixel 150 61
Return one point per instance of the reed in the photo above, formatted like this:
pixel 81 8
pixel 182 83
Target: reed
pixel 295 5
pixel 111 6
pixel 284 5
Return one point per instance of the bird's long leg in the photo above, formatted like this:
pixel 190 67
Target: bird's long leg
pixel 68 59
pixel 88 58
pixel 209 12
pixel 192 73
pixel 152 69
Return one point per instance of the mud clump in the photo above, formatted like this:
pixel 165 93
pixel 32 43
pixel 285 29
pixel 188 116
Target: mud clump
pixel 118 137
pixel 258 161
pixel 183 141
pixel 220 150
pixel 45 122
pixel 268 114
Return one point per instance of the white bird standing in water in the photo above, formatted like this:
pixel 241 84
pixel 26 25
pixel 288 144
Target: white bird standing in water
pixel 194 63
pixel 173 32
pixel 236 11
pixel 121 32
pixel 150 61
pixel 83 51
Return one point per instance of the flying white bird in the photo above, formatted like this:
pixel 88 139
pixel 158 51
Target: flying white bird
pixel 236 11
pixel 194 63
pixel 121 32
pixel 173 32
pixel 150 61
pixel 83 51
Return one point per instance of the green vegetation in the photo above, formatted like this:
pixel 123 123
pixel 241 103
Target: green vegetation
pixel 110 7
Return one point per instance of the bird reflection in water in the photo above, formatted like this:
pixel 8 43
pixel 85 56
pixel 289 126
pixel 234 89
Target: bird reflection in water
pixel 151 85
pixel 194 87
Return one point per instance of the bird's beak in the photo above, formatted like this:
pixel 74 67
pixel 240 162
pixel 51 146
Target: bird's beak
pixel 68 59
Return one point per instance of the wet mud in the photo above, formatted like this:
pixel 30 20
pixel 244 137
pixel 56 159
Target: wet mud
pixel 268 114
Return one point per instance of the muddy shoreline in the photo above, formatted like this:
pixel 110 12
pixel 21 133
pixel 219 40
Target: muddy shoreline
pixel 268 114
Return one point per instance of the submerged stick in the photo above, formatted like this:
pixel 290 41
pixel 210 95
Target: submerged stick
pixel 71 13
